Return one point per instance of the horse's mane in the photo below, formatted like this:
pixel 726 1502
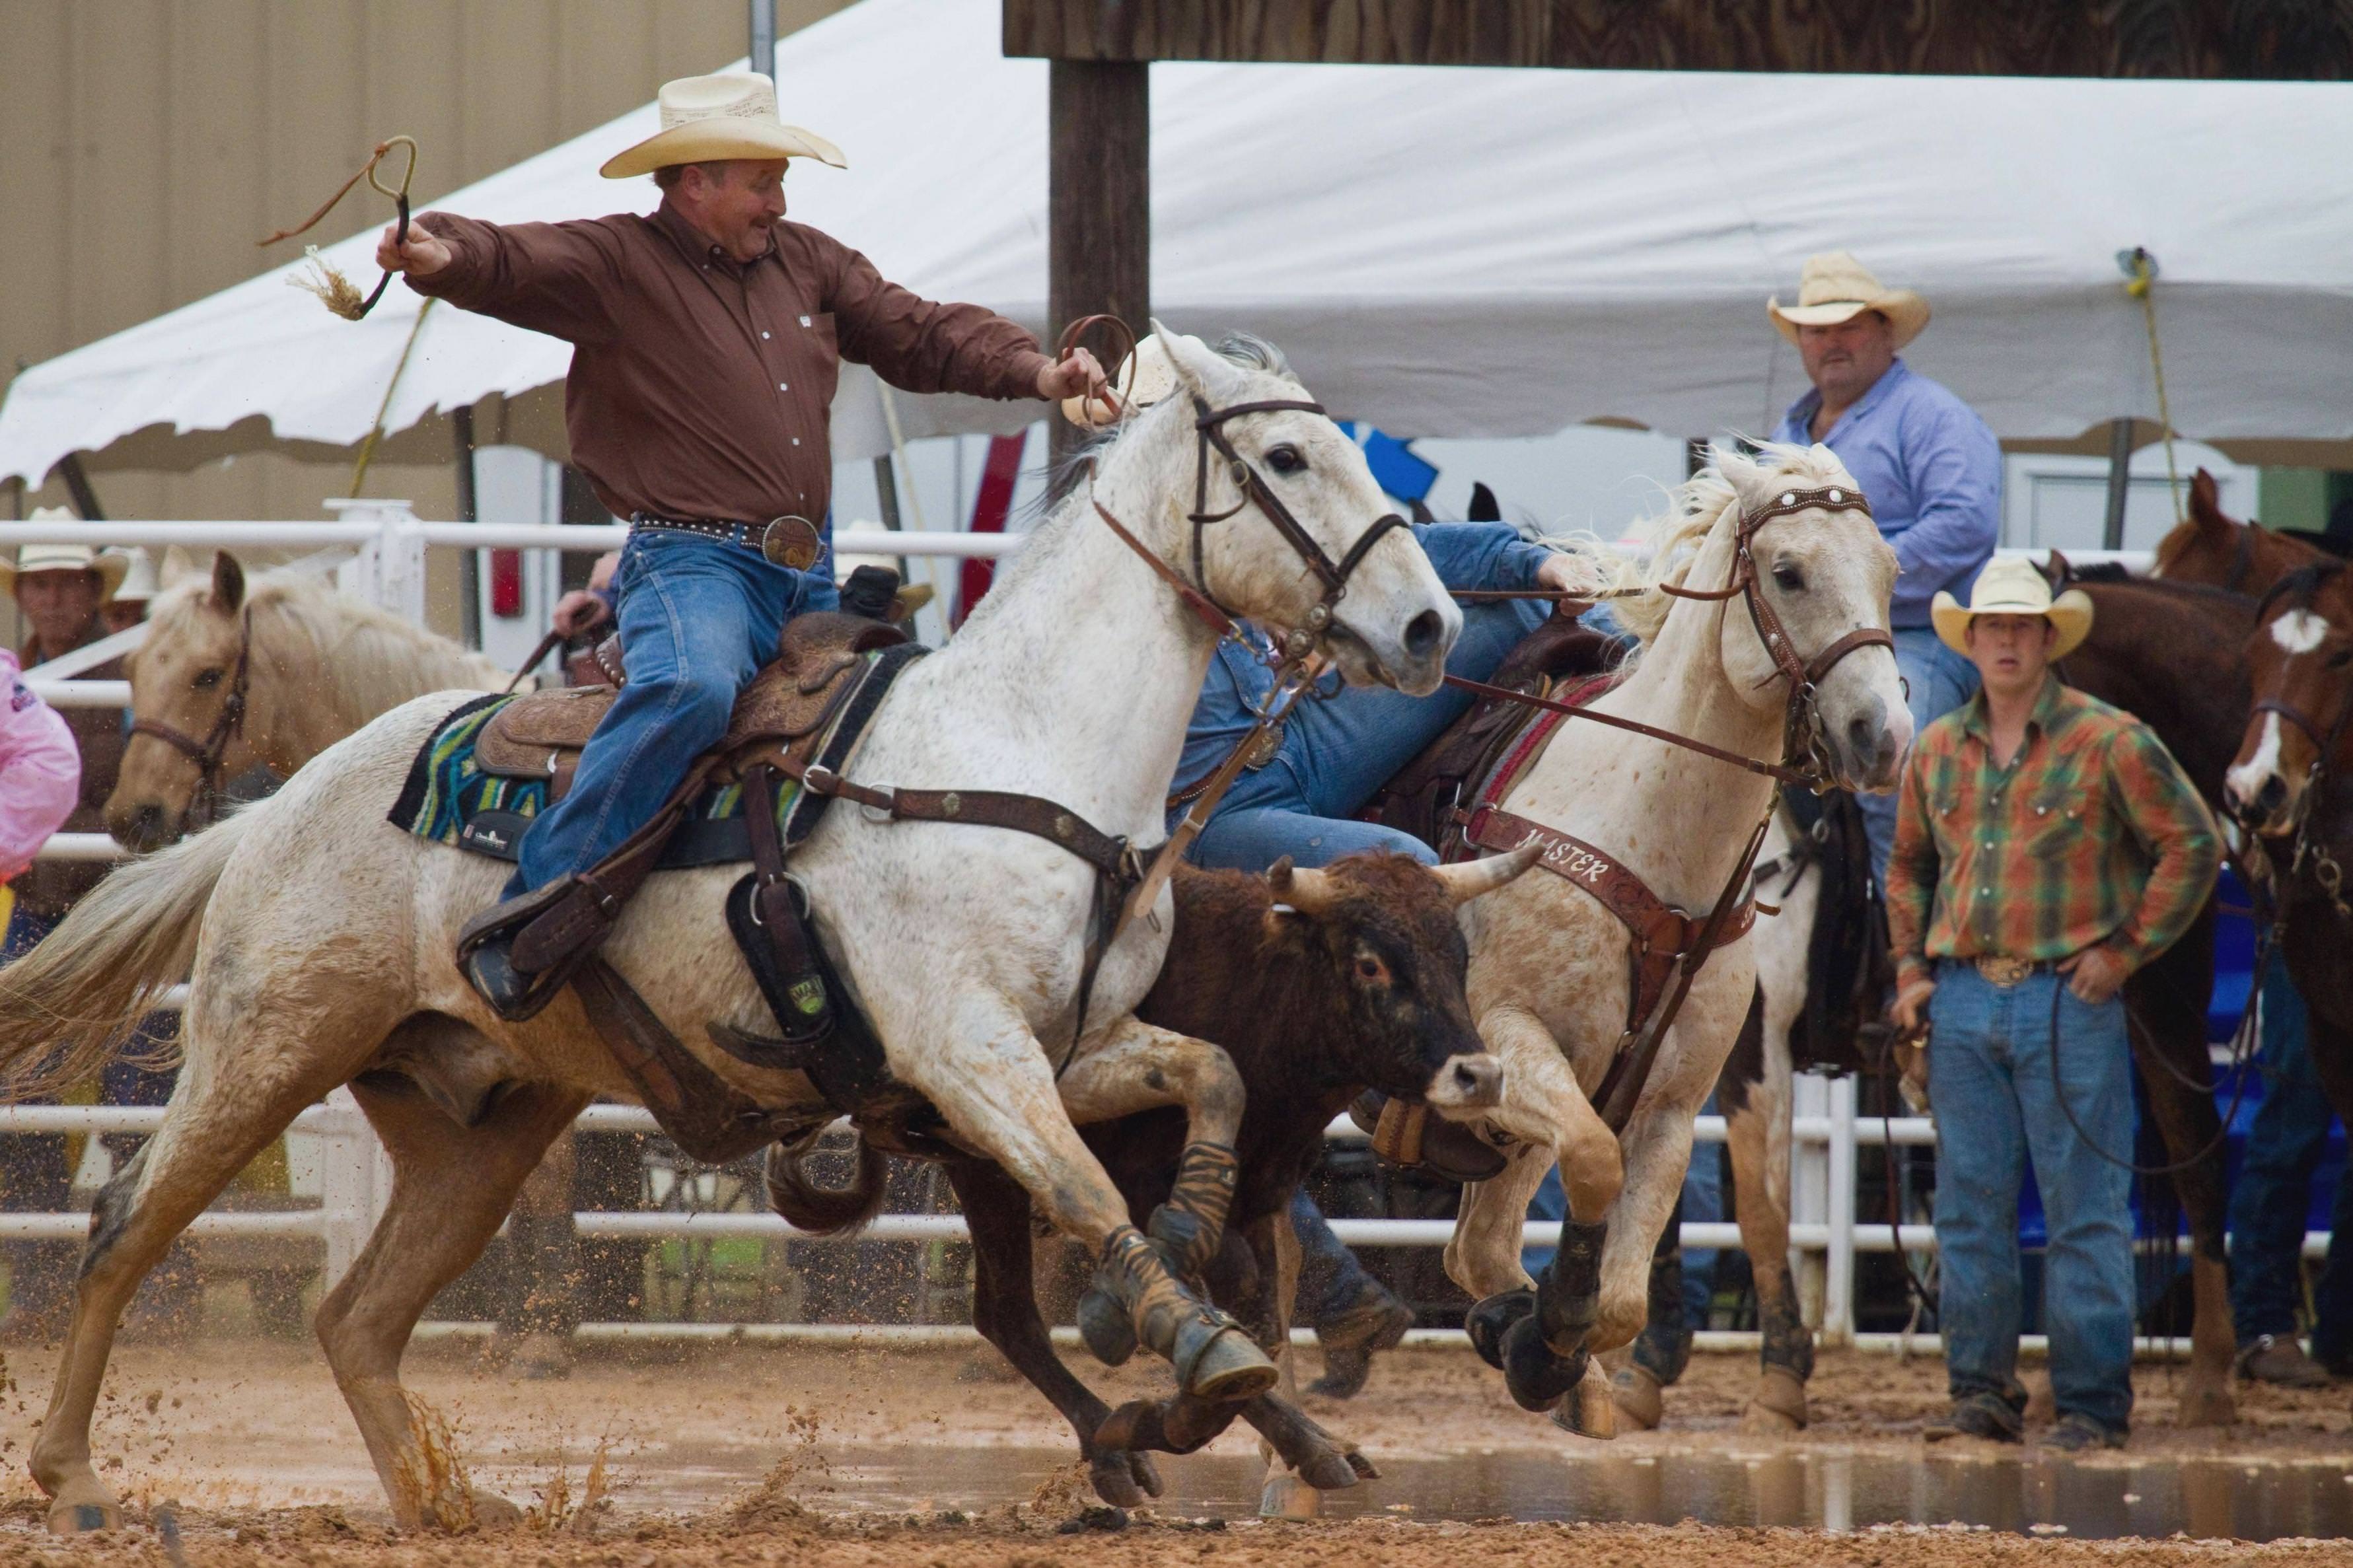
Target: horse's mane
pixel 1693 509
pixel 374 659
pixel 2116 574
pixel 2302 585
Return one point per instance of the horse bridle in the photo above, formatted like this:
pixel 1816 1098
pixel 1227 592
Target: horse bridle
pixel 228 724
pixel 1803 744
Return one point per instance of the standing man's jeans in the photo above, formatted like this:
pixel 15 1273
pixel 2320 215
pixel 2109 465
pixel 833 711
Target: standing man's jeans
pixel 1989 1077
pixel 1939 680
pixel 2271 1199
pixel 698 618
pixel 1341 749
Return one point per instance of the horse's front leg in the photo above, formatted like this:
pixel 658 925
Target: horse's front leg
pixel 1538 1332
pixel 1754 1096
pixel 1139 1066
pixel 990 1077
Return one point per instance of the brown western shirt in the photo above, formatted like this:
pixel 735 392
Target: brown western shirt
pixel 50 888
pixel 702 388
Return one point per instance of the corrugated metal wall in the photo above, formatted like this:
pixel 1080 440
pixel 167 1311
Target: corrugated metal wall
pixel 146 144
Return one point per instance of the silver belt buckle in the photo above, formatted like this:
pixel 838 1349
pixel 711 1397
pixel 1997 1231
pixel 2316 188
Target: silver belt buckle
pixel 790 541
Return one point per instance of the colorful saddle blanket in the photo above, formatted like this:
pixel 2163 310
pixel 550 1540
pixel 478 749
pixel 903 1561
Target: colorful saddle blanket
pixel 450 798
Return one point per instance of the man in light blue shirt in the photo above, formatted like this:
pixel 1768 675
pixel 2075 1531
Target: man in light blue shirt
pixel 1928 464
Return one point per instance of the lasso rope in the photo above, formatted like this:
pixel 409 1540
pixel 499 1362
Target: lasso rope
pixel 334 291
pixel 2140 269
pixel 375 431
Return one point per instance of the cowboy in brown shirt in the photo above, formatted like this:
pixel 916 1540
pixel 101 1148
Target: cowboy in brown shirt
pixel 706 341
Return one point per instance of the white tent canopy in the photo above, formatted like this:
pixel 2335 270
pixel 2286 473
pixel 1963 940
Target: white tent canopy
pixel 1445 252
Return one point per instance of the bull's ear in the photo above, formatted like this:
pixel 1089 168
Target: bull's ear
pixel 1309 892
pixel 1467 879
pixel 228 584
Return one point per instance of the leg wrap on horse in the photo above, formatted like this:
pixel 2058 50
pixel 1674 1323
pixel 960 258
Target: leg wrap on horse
pixel 1191 1225
pixel 1136 1299
pixel 1664 1348
pixel 1568 1296
pixel 1789 1343
pixel 1492 1318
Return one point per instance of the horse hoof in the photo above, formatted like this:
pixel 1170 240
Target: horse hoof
pixel 1329 1471
pixel 1536 1377
pixel 1778 1406
pixel 1492 1318
pixel 1588 1410
pixel 83 1518
pixel 1113 1481
pixel 1229 1368
pixel 2207 1407
pixel 1103 1326
pixel 1638 1395
pixel 1286 1496
pixel 490 1511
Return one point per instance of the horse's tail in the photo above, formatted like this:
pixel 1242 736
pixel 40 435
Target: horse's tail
pixel 825 1211
pixel 71 1003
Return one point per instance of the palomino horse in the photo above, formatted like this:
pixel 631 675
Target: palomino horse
pixel 274 668
pixel 2287 784
pixel 320 937
pixel 1549 977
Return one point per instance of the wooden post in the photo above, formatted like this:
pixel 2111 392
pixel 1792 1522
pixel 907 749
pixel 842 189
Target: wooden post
pixel 2120 449
pixel 1100 229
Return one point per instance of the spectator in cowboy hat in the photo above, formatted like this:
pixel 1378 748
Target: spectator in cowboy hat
pixel 1928 464
pixel 127 605
pixel 2046 846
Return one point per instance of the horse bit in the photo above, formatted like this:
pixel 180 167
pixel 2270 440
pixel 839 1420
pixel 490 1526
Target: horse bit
pixel 228 724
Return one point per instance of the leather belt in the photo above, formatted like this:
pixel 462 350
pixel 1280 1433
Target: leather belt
pixel 1998 969
pixel 789 542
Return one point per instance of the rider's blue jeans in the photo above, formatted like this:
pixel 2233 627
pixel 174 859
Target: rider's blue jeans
pixel 2271 1201
pixel 698 617
pixel 1989 1076
pixel 1338 751
pixel 1939 680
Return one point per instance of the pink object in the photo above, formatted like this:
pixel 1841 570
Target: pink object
pixel 40 770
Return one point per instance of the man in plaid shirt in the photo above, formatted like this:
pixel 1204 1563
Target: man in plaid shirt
pixel 2046 846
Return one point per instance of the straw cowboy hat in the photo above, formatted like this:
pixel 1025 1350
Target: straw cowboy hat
pixel 707 118
pixel 109 567
pixel 139 582
pixel 1834 287
pixel 2011 586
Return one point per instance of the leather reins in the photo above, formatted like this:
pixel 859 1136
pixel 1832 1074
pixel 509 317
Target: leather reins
pixel 228 724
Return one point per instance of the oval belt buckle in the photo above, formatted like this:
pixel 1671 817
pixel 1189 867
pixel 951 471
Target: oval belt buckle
pixel 790 541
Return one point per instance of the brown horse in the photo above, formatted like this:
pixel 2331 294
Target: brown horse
pixel 2286 783
pixel 2217 550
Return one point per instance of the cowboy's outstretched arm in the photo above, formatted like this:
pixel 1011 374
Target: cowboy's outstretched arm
pixel 561 278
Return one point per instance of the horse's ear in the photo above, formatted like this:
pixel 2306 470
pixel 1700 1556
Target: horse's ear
pixel 2056 569
pixel 228 584
pixel 177 565
pixel 1209 377
pixel 2206 502
pixel 1484 508
pixel 1741 472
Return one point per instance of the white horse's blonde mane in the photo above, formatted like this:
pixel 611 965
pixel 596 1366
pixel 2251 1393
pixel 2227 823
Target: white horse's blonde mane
pixel 374 660
pixel 1696 506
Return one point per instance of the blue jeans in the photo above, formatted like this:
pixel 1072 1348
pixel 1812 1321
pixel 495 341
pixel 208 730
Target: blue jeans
pixel 2271 1198
pixel 1339 750
pixel 1990 1075
pixel 1330 1278
pixel 698 616
pixel 1939 680
pixel 1703 1201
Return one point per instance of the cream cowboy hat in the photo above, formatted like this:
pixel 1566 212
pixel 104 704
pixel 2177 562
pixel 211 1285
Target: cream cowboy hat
pixel 140 582
pixel 1834 287
pixel 2011 586
pixel 707 118
pixel 109 567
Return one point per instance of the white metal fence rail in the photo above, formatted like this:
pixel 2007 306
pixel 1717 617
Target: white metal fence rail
pixel 386 563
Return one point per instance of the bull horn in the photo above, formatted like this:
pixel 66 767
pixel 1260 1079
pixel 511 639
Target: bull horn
pixel 1310 893
pixel 1466 880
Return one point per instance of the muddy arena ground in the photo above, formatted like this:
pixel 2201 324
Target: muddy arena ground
pixel 826 1455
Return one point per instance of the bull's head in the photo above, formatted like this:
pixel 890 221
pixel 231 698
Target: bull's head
pixel 1386 926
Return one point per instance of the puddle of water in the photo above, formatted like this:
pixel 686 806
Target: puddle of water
pixel 2203 1498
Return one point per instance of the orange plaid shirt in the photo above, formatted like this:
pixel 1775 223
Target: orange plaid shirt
pixel 2092 836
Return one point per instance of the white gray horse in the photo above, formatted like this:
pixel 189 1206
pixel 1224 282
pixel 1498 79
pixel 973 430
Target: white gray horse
pixel 318 937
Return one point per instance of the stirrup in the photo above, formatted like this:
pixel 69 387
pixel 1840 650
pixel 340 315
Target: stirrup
pixel 486 946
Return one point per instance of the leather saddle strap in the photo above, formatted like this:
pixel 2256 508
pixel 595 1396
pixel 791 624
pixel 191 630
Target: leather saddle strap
pixel 697 1108
pixel 1033 814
